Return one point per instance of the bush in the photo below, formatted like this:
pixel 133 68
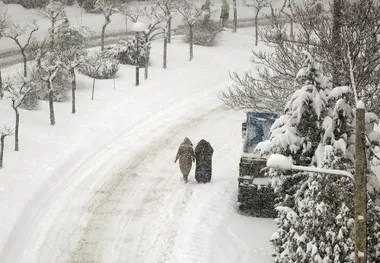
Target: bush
pixel 30 102
pixel 28 3
pixel 61 85
pixel 125 52
pixel 101 65
pixel 39 91
pixel 205 33
pixel 88 5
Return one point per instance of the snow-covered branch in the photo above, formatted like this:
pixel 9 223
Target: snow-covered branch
pixel 15 31
pixel 6 131
pixel 189 10
pixel 17 87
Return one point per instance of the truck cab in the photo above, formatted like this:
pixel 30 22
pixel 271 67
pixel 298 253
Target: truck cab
pixel 255 196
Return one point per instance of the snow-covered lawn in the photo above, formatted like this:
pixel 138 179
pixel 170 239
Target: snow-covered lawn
pixel 102 186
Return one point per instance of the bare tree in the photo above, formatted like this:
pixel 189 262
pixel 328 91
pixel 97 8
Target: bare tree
pixel 15 31
pixel 108 8
pixel 4 23
pixel 286 9
pixel 55 12
pixel 4 132
pixel 48 72
pixel 235 16
pixel 70 66
pixel 17 87
pixel 150 12
pixel 71 44
pixel 258 5
pixel 165 10
pixel 191 14
pixel 277 70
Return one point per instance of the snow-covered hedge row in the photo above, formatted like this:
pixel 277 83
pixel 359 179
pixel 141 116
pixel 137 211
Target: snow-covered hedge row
pixel 28 3
pixel 100 65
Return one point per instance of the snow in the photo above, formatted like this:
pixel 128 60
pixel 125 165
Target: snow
pixel 101 185
pixel 360 105
pixel 138 26
pixel 279 161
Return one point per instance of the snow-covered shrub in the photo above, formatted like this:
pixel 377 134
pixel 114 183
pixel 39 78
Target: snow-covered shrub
pixel 99 65
pixel 62 84
pixel 205 33
pixel 28 3
pixel 88 5
pixel 31 101
pixel 125 51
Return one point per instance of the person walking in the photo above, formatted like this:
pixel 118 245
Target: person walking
pixel 203 158
pixel 185 154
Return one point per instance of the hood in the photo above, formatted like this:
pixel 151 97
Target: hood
pixel 186 141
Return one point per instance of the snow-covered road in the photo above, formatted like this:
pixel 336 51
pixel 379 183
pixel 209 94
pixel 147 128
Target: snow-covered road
pixel 143 212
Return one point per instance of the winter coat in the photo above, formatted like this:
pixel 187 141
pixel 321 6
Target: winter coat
pixel 203 157
pixel 185 155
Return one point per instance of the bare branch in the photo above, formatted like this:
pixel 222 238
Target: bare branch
pixel 6 131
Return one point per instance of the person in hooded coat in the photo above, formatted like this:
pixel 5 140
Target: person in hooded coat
pixel 203 157
pixel 185 155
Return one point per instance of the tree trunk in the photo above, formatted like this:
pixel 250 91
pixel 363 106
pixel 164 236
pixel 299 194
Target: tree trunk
pixel 103 33
pixel 256 28
pixel 52 34
pixel 337 43
pixel 165 50
pixel 16 127
pixel 1 86
pixel 51 106
pixel 235 17
pixel 1 150
pixel 25 62
pixel 191 41
pixel 360 189
pixel 102 37
pixel 291 29
pixel 147 60
pixel 126 25
pixel 73 88
pixel 170 30
pixel 137 60
pixel 93 89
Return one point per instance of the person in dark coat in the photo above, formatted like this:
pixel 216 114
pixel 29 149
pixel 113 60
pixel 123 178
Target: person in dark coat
pixel 185 155
pixel 203 158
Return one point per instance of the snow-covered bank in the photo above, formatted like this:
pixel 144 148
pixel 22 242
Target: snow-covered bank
pixel 53 201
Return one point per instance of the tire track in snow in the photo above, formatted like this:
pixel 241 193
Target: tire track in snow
pixel 89 249
pixel 38 216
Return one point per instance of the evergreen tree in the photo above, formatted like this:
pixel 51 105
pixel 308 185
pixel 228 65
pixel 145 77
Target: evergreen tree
pixel 315 211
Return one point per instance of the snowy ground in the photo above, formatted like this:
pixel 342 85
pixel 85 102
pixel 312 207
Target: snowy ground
pixel 77 16
pixel 101 185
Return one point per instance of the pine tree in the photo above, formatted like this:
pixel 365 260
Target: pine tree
pixel 315 211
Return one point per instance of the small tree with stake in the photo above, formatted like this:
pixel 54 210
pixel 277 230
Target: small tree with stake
pixel 4 132
pixel 17 87
pixel 55 12
pixel 14 32
pixel 258 5
pixel 108 8
pixel 191 14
